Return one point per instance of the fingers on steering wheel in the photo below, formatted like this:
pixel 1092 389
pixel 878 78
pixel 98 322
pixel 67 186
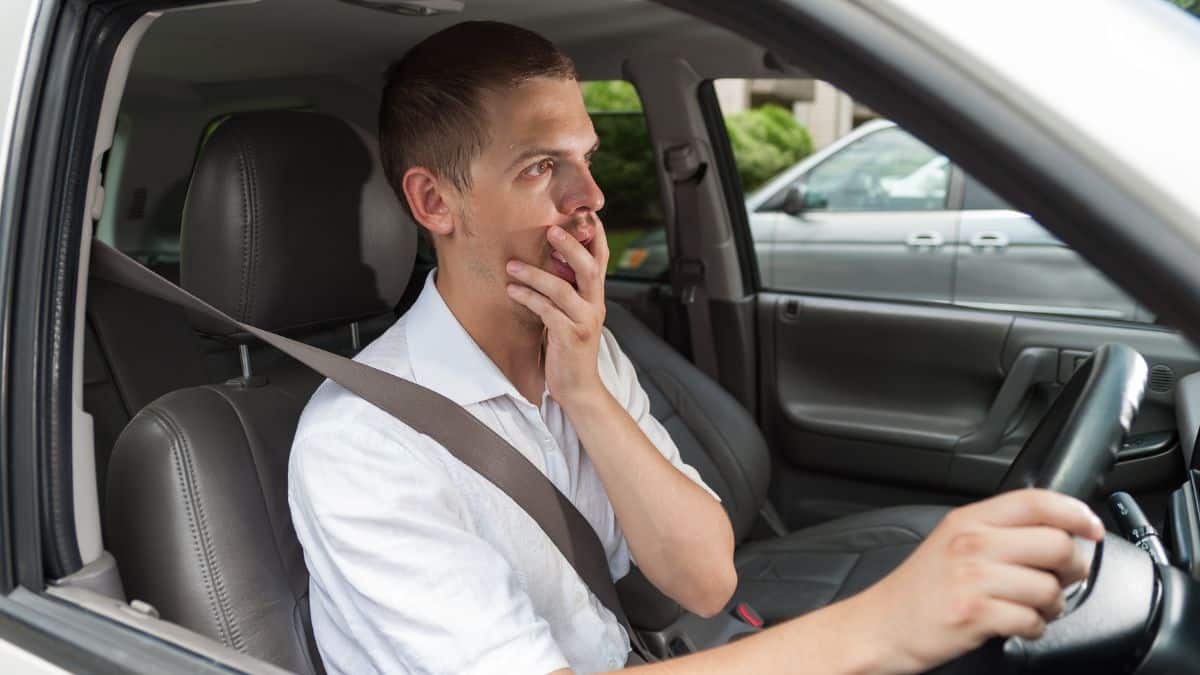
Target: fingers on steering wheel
pixel 1043 548
pixel 1034 507
pixel 1029 587
pixel 1005 618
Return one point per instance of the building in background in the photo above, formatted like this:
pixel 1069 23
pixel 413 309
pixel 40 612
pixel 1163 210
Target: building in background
pixel 828 112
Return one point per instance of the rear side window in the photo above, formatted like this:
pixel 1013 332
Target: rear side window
pixel 624 169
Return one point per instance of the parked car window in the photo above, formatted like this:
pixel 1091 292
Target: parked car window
pixel 843 203
pixel 888 170
pixel 977 197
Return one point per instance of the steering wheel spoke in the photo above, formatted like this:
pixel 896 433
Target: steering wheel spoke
pixel 1075 445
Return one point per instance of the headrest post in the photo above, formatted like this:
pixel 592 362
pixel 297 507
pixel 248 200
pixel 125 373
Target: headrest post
pixel 355 338
pixel 244 354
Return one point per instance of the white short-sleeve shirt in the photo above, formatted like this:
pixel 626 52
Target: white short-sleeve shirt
pixel 419 565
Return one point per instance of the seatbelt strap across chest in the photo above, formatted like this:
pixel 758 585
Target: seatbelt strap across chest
pixel 428 412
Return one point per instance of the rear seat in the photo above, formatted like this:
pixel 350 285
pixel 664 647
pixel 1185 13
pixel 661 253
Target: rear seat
pixel 137 348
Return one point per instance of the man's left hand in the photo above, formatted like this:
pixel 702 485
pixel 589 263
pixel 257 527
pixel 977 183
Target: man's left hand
pixel 574 319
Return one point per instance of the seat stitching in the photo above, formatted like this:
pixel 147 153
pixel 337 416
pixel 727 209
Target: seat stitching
pixel 257 474
pixel 246 220
pixel 255 230
pixel 214 584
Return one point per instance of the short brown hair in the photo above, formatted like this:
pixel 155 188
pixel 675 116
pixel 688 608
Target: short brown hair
pixel 431 114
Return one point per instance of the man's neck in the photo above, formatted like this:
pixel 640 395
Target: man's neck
pixel 513 345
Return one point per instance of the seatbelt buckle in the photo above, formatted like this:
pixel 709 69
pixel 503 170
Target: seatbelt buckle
pixel 687 274
pixel 743 612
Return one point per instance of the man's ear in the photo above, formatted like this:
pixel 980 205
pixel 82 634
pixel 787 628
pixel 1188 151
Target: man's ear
pixel 428 201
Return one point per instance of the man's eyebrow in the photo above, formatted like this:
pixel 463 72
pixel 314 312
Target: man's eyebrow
pixel 556 153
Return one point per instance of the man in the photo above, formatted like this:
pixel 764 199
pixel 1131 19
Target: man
pixel 420 565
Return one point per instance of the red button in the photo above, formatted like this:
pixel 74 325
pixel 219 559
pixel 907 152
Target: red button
pixel 747 614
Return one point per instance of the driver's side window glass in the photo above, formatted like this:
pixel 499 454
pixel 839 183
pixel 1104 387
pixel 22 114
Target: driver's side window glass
pixel 887 170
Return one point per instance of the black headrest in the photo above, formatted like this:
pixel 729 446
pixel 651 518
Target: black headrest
pixel 290 224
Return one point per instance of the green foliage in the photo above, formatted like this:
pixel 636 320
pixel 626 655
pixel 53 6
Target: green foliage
pixel 766 141
pixel 611 96
pixel 624 166
pixel 624 170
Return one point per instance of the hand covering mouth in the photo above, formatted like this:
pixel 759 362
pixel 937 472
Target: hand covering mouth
pixel 560 268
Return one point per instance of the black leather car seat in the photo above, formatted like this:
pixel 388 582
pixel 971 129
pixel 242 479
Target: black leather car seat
pixel 291 226
pixel 784 576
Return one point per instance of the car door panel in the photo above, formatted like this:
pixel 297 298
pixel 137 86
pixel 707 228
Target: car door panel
pixel 1006 261
pixel 936 398
pixel 906 255
pixel 863 390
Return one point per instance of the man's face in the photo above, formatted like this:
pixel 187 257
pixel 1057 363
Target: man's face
pixel 533 174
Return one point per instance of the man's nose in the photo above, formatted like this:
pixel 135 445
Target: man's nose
pixel 583 194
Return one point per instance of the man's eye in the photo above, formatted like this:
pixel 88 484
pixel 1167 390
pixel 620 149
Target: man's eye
pixel 541 168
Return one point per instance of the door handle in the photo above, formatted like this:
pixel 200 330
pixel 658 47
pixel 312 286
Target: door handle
pixel 925 240
pixel 990 240
pixel 1034 365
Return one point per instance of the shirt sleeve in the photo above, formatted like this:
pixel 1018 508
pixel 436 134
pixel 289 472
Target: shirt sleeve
pixel 633 397
pixel 400 570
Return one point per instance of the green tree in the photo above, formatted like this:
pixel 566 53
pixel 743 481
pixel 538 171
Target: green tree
pixel 624 166
pixel 611 96
pixel 765 141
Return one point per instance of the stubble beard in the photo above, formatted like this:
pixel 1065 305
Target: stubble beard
pixel 490 284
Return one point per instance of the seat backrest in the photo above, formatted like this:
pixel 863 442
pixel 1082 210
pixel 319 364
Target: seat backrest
pixel 291 226
pixel 714 433
pixel 136 349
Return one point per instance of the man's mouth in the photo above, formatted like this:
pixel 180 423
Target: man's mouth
pixel 560 268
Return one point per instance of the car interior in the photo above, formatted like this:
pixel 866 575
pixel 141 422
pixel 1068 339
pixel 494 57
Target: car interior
pixel 235 156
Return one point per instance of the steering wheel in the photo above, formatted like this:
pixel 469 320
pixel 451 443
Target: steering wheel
pixel 1075 444
pixel 1071 450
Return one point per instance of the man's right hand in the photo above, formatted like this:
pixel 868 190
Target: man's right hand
pixel 993 568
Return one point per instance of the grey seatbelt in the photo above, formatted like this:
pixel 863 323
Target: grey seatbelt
pixel 687 265
pixel 428 412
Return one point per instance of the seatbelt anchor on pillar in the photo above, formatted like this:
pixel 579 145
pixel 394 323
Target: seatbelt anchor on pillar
pixel 685 165
pixel 686 170
pixel 688 274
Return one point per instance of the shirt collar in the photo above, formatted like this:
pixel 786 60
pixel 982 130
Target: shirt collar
pixel 445 358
